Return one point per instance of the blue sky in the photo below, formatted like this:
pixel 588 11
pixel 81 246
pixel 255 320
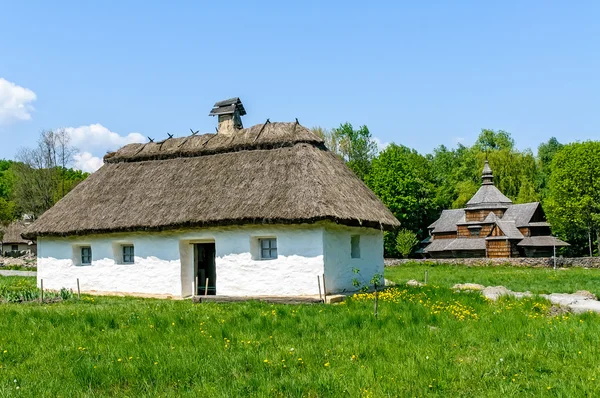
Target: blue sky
pixel 419 74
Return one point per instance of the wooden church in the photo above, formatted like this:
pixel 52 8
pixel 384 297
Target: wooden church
pixel 492 226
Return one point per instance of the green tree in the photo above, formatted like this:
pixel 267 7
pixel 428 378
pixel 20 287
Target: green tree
pixel 490 140
pixel 546 152
pixel 41 175
pixel 401 178
pixel 574 195
pixel 406 240
pixel 8 211
pixel 329 137
pixel 356 147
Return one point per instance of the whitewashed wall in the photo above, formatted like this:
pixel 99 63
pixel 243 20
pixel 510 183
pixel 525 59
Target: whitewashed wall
pixel 164 262
pixel 157 269
pixel 338 261
pixel 22 247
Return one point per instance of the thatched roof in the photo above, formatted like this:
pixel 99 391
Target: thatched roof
pixel 271 173
pixel 12 234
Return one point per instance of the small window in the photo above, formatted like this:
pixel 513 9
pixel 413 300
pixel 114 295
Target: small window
pixel 475 231
pixel 128 256
pixel 86 255
pixel 15 248
pixel 355 246
pixel 268 249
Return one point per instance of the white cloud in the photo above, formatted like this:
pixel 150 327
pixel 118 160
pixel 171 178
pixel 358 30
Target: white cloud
pixel 96 137
pixel 93 141
pixel 85 161
pixel 15 102
pixel 380 145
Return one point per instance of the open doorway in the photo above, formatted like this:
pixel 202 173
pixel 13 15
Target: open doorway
pixel 204 266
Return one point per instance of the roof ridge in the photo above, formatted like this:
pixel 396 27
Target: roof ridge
pixel 264 136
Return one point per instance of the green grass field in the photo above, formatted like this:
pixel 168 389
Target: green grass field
pixel 427 341
pixel 536 280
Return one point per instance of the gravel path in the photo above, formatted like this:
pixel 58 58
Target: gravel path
pixel 17 273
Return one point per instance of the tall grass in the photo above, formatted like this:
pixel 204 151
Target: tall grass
pixel 419 345
pixel 17 290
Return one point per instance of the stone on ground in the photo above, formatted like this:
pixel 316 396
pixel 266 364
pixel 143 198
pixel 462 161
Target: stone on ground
pixel 468 287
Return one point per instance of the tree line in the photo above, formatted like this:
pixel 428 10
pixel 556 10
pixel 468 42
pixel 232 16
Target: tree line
pixel 565 178
pixel 38 178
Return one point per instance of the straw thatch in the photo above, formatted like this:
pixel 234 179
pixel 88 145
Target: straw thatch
pixel 271 173
pixel 12 234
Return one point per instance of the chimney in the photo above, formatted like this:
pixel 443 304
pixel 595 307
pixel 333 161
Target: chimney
pixel 230 114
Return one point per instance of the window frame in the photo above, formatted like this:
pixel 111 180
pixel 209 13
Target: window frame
pixel 83 256
pixel 125 255
pixel 270 249
pixel 14 248
pixel 355 246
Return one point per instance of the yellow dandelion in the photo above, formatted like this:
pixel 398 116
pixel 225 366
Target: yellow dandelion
pixel 326 364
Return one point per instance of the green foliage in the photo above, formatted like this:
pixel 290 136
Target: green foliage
pixel 363 286
pixel 356 147
pixel 111 346
pixel 574 202
pixel 22 290
pixel 546 152
pixel 490 140
pixel 8 212
pixel 406 240
pixel 400 177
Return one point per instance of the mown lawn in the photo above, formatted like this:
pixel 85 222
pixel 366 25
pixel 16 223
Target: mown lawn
pixel 426 341
pixel 536 280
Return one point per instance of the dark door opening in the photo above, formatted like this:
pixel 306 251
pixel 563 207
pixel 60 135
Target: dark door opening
pixel 204 261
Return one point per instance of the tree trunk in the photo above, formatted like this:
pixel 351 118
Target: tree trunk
pixel 590 240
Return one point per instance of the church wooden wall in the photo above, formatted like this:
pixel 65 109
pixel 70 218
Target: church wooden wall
pixel 498 248
pixel 524 231
pixel 445 235
pixel 501 249
pixel 465 232
pixel 480 215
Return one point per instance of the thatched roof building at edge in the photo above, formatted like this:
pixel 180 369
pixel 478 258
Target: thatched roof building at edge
pixel 269 174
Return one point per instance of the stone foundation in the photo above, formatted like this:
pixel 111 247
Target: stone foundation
pixel 562 262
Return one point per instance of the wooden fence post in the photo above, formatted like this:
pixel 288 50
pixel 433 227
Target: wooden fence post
pixel 319 282
pixel 324 290
pixel 206 288
pixel 78 290
pixel 42 287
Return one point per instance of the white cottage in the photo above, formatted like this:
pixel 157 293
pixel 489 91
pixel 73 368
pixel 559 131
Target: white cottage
pixel 256 211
